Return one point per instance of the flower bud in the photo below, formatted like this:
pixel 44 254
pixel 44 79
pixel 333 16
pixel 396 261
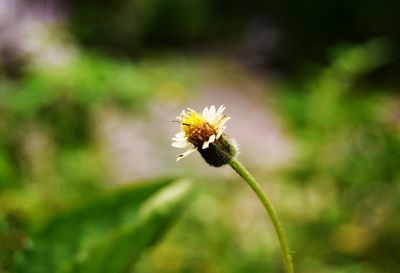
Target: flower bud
pixel 220 152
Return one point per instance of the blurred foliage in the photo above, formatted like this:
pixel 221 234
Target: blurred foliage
pixel 49 156
pixel 309 29
pixel 350 152
pixel 217 235
pixel 57 108
pixel 347 134
pixel 347 170
pixel 109 233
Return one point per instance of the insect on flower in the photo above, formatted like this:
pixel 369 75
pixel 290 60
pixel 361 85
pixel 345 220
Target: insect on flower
pixel 204 132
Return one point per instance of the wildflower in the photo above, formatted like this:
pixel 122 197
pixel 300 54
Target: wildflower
pixel 205 133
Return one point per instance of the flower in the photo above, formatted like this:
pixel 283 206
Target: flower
pixel 204 132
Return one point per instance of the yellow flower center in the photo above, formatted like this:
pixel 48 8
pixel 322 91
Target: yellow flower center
pixel 196 128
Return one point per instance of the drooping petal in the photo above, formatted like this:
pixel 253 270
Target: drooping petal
pixel 179 139
pixel 180 144
pixel 185 154
pixel 211 139
pixel 179 135
pixel 207 143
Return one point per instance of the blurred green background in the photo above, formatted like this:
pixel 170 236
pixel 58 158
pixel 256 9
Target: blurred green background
pixel 89 182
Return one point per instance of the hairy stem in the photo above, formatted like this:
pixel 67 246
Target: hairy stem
pixel 287 259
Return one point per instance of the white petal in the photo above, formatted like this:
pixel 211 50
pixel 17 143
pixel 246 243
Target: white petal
pixel 179 144
pixel 221 131
pixel 205 112
pixel 220 110
pixel 179 135
pixel 207 143
pixel 211 139
pixel 212 110
pixel 183 113
pixel 222 122
pixel 211 114
pixel 188 152
pixel 180 139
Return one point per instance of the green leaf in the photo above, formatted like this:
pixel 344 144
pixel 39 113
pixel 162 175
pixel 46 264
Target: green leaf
pixel 110 233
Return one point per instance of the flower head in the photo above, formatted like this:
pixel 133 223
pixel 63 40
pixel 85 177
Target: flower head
pixel 204 132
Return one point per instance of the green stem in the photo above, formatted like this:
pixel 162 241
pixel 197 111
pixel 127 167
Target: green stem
pixel 287 259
